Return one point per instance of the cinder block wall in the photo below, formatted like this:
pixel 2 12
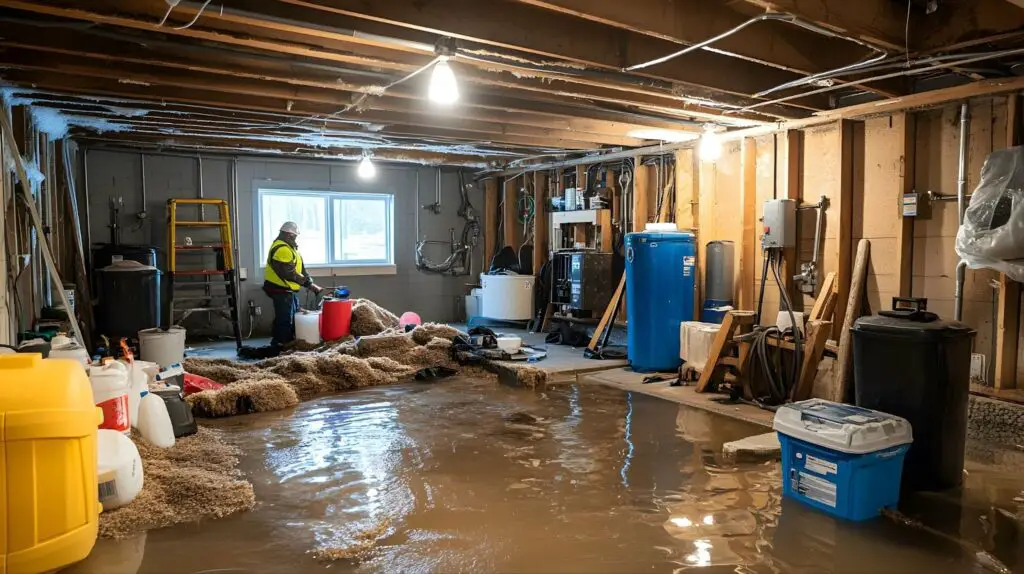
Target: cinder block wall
pixel 435 297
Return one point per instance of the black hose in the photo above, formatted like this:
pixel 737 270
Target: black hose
pixel 764 279
pixel 797 340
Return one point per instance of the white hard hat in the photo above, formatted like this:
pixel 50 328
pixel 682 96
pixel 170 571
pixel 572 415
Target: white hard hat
pixel 290 227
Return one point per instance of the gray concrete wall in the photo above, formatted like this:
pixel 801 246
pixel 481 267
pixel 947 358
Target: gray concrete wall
pixel 436 298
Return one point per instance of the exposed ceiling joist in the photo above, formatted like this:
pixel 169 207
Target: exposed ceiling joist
pixel 881 22
pixel 691 22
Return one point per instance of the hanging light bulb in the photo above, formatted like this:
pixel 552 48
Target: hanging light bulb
pixel 710 144
pixel 366 169
pixel 443 87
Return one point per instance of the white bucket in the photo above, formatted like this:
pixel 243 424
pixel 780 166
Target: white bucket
pixel 119 469
pixel 307 326
pixel 162 347
pixel 507 297
pixel 72 351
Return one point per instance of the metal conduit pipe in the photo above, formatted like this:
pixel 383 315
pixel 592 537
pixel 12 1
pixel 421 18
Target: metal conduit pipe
pixel 961 206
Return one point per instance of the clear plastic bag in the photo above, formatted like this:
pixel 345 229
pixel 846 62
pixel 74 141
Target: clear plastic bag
pixel 992 235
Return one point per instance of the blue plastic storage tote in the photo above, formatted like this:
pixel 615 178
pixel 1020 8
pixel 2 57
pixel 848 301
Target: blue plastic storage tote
pixel 842 459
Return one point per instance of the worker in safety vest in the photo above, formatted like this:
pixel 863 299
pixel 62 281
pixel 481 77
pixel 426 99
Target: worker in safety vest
pixel 284 276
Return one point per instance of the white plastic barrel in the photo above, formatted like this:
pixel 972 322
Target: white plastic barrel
pixel 155 422
pixel 162 347
pixel 70 351
pixel 507 297
pixel 138 382
pixel 110 393
pixel 307 326
pixel 119 468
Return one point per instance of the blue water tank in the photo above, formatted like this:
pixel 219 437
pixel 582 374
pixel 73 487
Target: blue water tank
pixel 660 277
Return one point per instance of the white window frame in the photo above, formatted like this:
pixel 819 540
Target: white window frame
pixel 334 265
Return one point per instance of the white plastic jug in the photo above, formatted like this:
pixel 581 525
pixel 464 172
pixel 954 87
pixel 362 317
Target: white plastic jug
pixel 155 422
pixel 110 393
pixel 70 351
pixel 307 326
pixel 119 469
pixel 138 382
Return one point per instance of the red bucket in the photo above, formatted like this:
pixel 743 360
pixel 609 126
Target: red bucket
pixel 335 319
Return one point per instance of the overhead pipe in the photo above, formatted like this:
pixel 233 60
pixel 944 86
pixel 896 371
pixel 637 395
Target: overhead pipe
pixel 961 206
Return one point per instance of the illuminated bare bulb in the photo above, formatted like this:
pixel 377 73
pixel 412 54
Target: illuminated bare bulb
pixel 443 87
pixel 710 147
pixel 366 169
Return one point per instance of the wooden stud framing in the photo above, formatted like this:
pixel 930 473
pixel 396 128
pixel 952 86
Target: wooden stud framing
pixel 641 184
pixel 687 182
pixel 748 248
pixel 1008 310
pixel 791 173
pixel 509 221
pixel 905 231
pixel 844 206
pixel 541 224
pixel 490 220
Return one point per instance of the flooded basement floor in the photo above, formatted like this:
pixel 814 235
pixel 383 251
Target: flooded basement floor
pixel 465 475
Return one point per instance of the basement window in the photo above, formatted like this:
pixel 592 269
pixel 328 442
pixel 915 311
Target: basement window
pixel 339 233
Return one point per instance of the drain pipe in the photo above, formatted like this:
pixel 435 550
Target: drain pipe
pixel 961 206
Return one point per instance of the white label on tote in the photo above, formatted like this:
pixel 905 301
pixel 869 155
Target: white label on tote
pixel 817 489
pixel 815 464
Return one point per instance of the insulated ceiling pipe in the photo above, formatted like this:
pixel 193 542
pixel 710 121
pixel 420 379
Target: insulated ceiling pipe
pixel 961 206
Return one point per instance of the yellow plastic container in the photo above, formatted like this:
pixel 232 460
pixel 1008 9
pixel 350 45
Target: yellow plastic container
pixel 49 507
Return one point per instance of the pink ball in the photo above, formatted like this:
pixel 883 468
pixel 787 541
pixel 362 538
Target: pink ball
pixel 409 318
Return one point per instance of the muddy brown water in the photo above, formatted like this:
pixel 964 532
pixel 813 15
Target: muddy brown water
pixel 469 476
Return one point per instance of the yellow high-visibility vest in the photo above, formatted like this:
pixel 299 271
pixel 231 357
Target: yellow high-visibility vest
pixel 281 251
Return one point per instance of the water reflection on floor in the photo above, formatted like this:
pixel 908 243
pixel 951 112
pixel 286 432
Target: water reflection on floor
pixel 465 475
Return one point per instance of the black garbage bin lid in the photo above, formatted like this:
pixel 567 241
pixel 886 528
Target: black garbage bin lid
pixel 877 324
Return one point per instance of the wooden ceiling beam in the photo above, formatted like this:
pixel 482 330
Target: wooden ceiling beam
pixel 698 76
pixel 962 21
pixel 549 35
pixel 540 85
pixel 690 22
pixel 880 22
pixel 136 141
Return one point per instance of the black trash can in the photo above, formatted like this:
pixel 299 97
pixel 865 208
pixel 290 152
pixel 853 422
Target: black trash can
pixel 129 299
pixel 913 365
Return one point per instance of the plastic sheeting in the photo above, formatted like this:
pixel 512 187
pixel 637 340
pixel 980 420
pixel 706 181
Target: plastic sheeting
pixel 992 235
pixel 695 340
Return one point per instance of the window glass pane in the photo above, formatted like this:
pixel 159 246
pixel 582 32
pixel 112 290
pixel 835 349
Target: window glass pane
pixel 336 207
pixel 308 211
pixel 362 225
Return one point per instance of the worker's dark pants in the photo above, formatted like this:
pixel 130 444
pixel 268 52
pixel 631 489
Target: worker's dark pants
pixel 285 307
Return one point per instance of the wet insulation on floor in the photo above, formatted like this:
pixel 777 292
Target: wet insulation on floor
pixel 467 475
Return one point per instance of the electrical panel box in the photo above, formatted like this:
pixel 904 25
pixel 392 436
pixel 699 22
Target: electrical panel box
pixel 779 224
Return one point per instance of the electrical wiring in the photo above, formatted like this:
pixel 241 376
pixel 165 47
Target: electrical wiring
pixel 768 356
pixel 195 19
pixel 170 8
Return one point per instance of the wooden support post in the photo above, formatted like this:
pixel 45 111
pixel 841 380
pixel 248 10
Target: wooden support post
pixel 1008 311
pixel 843 204
pixel 791 173
pixel 905 230
pixel 509 203
pixel 667 196
pixel 722 343
pixel 541 224
pixel 748 248
pixel 490 220
pixel 687 177
pixel 825 304
pixel 608 312
pixel 641 182
pixel 604 225
pixel 814 348
pixel 582 185
pixel 854 303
